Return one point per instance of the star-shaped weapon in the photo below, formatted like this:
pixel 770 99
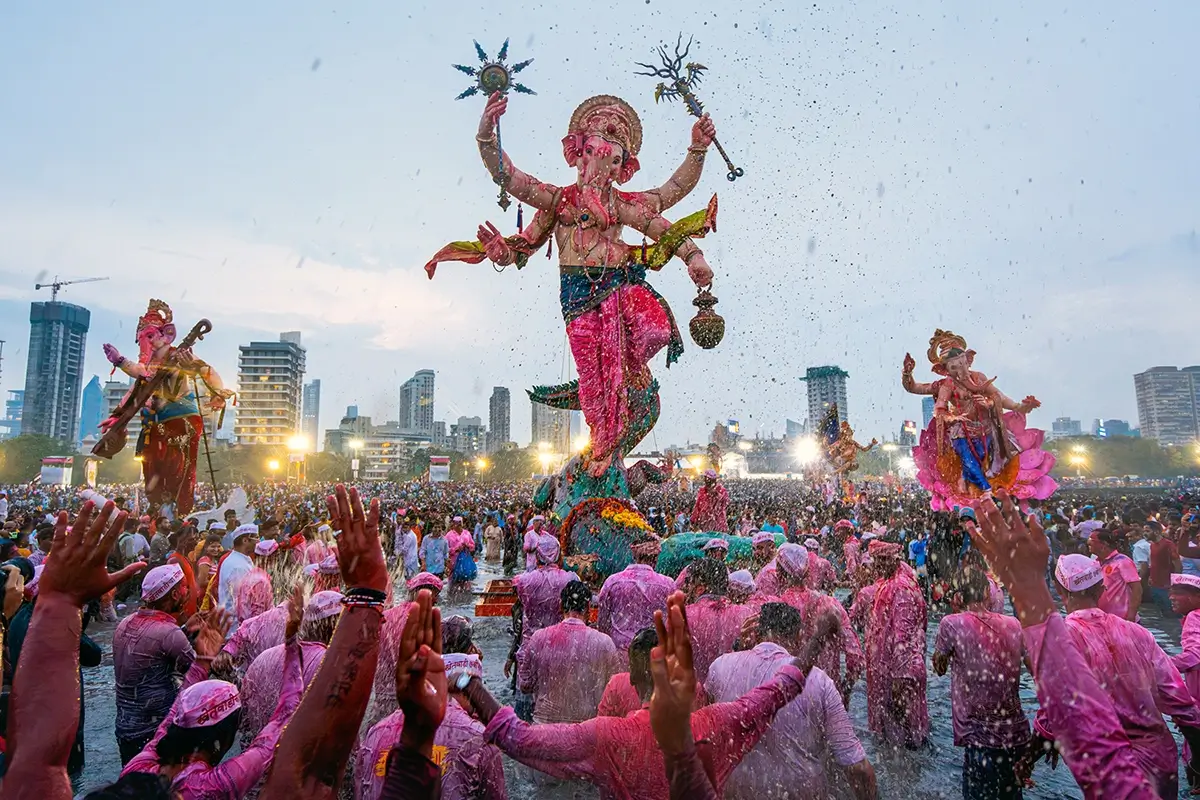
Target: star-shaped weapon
pixel 491 77
pixel 679 80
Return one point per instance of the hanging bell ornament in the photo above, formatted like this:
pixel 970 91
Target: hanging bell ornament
pixel 707 327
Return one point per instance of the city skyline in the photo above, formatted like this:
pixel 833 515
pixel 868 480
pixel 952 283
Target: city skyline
pixel 880 202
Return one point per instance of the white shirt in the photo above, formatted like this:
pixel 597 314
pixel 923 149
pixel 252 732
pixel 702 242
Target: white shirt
pixel 1141 551
pixel 3 508
pixel 406 548
pixel 234 568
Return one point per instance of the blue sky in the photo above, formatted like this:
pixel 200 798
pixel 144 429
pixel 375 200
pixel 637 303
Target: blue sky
pixel 1024 176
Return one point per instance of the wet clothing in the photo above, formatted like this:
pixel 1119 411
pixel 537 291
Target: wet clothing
pixel 470 768
pixel 1119 573
pixel 435 551
pixel 895 641
pixel 256 635
pixel 540 594
pixel 151 653
pixel 628 601
pixel 715 623
pixel 620 699
pixel 619 754
pixel 566 667
pixel 788 763
pixel 264 681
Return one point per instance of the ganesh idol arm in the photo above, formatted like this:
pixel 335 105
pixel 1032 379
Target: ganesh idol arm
pixel 910 385
pixel 685 178
pixel 127 365
pixel 675 239
pixel 1008 404
pixel 521 186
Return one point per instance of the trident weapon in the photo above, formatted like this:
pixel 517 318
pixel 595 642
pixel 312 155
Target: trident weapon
pixel 491 77
pixel 678 86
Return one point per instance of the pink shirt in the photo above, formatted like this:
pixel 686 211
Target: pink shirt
pixel 620 699
pixel 985 672
pixel 1188 662
pixel 1141 684
pixel 471 768
pixel 458 541
pixel 1093 743
pixel 766 583
pixel 257 634
pixel 234 777
pixel 540 593
pixel 1119 572
pixel 529 545
pixel 565 667
pixel 628 601
pixel 384 702
pixel 263 684
pixel 812 605
pixel 619 754
pixel 715 623
pixel 789 760
pixel 820 575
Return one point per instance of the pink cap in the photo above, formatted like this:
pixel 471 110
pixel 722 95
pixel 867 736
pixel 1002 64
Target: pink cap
pixel 266 547
pixel 710 473
pixel 459 664
pixel 742 579
pixel 878 547
pixel 716 544
pixel 329 566
pixel 1077 572
pixel 843 524
pixel 206 703
pixel 812 544
pixel 160 580
pixel 424 580
pixel 792 560
pixel 1177 579
pixel 323 605
pixel 311 570
pixel 761 537
pixel 32 586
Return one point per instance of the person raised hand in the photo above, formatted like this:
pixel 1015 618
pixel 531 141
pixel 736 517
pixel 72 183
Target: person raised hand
pixel 360 556
pixel 77 569
pixel 295 609
pixel 421 675
pixel 674 679
pixel 1017 552
pixel 211 636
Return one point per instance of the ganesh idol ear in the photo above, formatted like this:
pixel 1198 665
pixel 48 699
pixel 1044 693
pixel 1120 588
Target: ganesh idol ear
pixel 628 169
pixel 572 145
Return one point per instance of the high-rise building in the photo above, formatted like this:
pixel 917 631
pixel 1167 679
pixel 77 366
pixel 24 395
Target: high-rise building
pixel 1111 428
pixel 114 392
pixel 793 429
pixel 500 417
pixel 1168 400
pixel 927 404
pixel 92 409
pixel 1065 427
pixel 10 426
pixel 826 386
pixel 468 435
pixel 310 416
pixel 270 390
pixel 416 402
pixel 54 370
pixel 440 439
pixel 551 426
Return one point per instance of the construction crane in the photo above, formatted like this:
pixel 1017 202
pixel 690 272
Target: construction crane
pixel 57 284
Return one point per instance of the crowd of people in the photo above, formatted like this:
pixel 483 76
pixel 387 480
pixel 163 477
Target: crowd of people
pixel 727 679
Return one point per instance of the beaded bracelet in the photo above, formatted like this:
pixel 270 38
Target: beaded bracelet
pixel 363 593
pixel 348 602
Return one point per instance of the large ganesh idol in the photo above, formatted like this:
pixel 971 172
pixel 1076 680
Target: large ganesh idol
pixel 616 322
pixel 977 441
pixel 164 395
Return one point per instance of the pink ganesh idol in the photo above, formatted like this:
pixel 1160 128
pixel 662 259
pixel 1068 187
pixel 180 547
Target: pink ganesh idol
pixel 977 441
pixel 615 321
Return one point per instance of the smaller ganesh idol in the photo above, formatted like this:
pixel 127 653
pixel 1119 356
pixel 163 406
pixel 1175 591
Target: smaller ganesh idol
pixel 164 394
pixel 977 441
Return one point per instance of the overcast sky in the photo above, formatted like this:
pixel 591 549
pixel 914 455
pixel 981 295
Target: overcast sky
pixel 1026 176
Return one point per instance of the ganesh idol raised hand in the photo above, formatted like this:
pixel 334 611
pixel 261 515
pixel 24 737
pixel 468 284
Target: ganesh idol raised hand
pixel 977 441
pixel 615 321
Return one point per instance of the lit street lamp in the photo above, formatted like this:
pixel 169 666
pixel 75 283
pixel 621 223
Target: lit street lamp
pixel 273 466
pixel 355 445
pixel 808 451
pixel 545 457
pixel 481 464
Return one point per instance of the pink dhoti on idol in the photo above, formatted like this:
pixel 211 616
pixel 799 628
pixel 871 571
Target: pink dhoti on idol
pixel 977 442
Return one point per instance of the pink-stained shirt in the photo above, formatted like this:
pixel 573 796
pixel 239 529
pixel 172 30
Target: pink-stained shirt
pixel 710 512
pixel 316 552
pixel 619 754
pixel 262 685
pixel 789 761
pixel 821 575
pixel 471 768
pixel 149 652
pixel 860 609
pixel 566 667
pixel 1141 683
pixel 621 699
pixel 686 777
pixel 384 702
pixel 812 606
pixel 1188 662
pixel 715 623
pixel 234 777
pixel 458 541
pixel 895 650
pixel 628 601
pixel 529 545
pixel 985 671
pixel 852 549
pixel 1090 736
pixel 995 596
pixel 1119 572
pixel 766 582
pixel 257 635
pixel 540 593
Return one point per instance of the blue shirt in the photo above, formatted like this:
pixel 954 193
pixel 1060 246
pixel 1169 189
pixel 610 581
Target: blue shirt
pixel 435 550
pixel 916 551
pixel 771 529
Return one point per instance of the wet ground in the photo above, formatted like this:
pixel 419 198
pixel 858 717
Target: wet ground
pixel 928 774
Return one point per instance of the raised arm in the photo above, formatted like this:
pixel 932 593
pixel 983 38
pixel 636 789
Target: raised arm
pixel 643 219
pixel 680 184
pixel 521 186
pixel 906 378
pixel 313 751
pixel 127 365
